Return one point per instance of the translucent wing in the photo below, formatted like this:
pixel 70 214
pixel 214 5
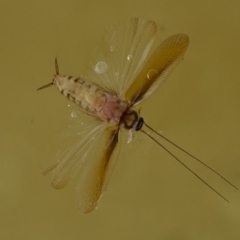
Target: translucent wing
pixel 96 176
pixel 79 149
pixel 158 67
pixel 116 62
pixel 94 149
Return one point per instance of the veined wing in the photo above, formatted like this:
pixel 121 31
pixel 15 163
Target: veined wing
pixel 158 67
pixel 96 176
pixel 122 54
pixel 79 150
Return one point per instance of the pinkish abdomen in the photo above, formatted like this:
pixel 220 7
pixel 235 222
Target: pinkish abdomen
pixel 91 97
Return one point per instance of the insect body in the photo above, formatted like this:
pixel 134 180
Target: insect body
pixel 121 77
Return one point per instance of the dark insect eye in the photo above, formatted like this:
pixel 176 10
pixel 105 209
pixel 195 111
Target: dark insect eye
pixel 139 124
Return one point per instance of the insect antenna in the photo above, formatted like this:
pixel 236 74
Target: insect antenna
pixel 191 156
pixel 188 155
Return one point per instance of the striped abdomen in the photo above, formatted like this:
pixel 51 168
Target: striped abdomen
pixel 91 97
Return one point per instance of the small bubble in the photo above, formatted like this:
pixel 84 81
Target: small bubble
pixel 111 48
pixel 152 74
pixel 74 114
pixel 101 67
pixel 69 105
pixel 129 57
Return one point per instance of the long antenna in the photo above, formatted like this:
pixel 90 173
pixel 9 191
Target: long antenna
pixel 191 156
pixel 184 165
pixel 196 175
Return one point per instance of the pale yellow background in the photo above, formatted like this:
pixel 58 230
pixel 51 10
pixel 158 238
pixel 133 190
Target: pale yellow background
pixel 150 195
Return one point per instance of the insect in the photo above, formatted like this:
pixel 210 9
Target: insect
pixel 122 76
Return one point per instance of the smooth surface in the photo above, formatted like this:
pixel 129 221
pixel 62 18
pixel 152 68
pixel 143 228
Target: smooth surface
pixel 150 195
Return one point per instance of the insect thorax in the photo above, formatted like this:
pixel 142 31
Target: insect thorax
pixel 129 119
